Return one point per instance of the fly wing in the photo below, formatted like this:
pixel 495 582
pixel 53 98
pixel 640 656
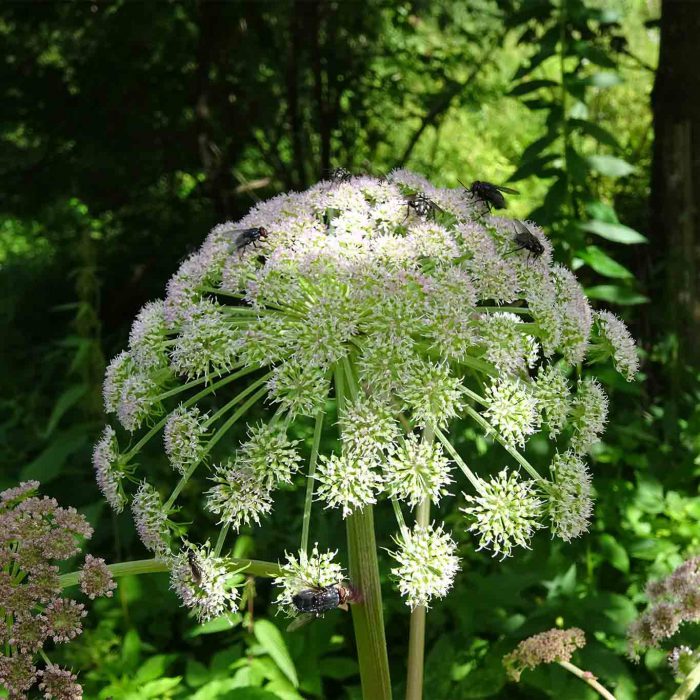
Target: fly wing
pixel 300 621
pixel 507 190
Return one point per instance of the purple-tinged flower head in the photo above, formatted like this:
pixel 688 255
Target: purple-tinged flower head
pixel 575 316
pixel 96 579
pixel 63 619
pixel 138 401
pixel 552 393
pixel 506 347
pixel 505 513
pixel 299 390
pixel 427 564
pixel 185 436
pixel 614 340
pixel 589 414
pixel 569 502
pixel 147 337
pixel 57 683
pixel 17 674
pixel 207 344
pixel 673 601
pixel 151 519
pixel 682 661
pixel 239 496
pixel 118 371
pixel 110 469
pixel 28 633
pixel 204 582
pixel 14 495
pixel 548 647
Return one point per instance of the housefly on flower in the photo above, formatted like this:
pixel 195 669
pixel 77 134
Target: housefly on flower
pixel 313 602
pixel 195 568
pixel 339 175
pixel 526 240
pixel 422 205
pixel 488 193
pixel 243 237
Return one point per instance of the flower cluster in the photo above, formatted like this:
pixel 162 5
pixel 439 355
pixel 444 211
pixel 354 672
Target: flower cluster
pixel 673 600
pixel 303 571
pixel 545 648
pixel 389 320
pixel 35 534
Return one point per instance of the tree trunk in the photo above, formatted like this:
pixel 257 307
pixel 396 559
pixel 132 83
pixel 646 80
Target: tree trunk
pixel 676 173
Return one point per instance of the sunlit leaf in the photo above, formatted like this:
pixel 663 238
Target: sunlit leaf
pixel 619 233
pixel 610 166
pixel 272 641
pixel 602 263
pixel 616 295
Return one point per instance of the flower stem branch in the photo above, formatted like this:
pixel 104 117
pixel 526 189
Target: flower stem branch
pixel 689 684
pixel 416 637
pixel 253 567
pixel 473 480
pixel 588 677
pixel 216 437
pixel 310 482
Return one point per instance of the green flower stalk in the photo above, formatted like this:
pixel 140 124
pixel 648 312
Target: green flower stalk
pixel 386 323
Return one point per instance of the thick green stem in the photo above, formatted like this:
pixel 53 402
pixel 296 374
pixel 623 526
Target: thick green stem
pixel 588 677
pixel 416 637
pixel 686 688
pixel 253 567
pixel 367 614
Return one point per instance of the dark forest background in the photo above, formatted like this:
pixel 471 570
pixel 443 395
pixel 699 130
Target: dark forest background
pixel 128 129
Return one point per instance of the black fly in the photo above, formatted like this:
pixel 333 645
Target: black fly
pixel 339 175
pixel 526 240
pixel 422 205
pixel 488 193
pixel 195 568
pixel 243 237
pixel 313 602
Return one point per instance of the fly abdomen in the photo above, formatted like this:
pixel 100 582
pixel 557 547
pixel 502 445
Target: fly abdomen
pixel 317 600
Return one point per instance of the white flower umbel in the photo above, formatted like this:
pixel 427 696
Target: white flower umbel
pixel 304 571
pixel 184 435
pixel 203 582
pixel 110 469
pixel 240 496
pixel 347 482
pixel 417 470
pixel 589 413
pixel 512 410
pixel 427 562
pixel 614 340
pixel 506 513
pixel 569 501
pixel 372 313
pixel 151 519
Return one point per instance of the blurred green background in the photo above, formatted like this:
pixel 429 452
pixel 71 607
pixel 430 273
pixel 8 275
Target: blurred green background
pixel 129 129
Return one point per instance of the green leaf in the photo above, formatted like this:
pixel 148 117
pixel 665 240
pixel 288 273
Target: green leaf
pixel 602 263
pixel 339 667
pixel 536 147
pixel 597 132
pixel 47 466
pixel 159 688
pixel 65 401
pixel 532 85
pixel 601 80
pixel 601 211
pixel 613 552
pixel 534 167
pixel 610 166
pixel 196 673
pixel 224 623
pixel 154 667
pixel 271 640
pixel 616 295
pixel 619 233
